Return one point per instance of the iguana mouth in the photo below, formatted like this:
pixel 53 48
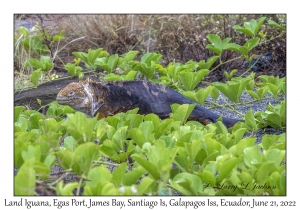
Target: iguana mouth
pixel 62 99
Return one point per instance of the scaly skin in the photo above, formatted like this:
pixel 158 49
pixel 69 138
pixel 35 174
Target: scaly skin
pixel 107 99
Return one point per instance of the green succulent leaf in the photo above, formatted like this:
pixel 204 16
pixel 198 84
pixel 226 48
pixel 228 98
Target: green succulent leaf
pixel 206 65
pixel 67 189
pixel 35 76
pixel 217 45
pixel 251 28
pixel 84 155
pixel 17 112
pixel 181 112
pixel 26 172
pixel 149 166
pixel 226 168
pixel 187 184
pixel 276 25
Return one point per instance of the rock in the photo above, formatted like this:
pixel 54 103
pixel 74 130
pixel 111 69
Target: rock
pixel 23 23
pixel 261 64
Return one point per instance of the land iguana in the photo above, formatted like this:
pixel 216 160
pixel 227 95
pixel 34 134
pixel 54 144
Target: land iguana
pixel 106 99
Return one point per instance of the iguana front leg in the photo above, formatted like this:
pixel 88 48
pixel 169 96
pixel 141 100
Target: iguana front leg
pixel 104 111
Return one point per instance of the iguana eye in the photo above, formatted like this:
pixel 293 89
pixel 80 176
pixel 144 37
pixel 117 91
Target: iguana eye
pixel 71 93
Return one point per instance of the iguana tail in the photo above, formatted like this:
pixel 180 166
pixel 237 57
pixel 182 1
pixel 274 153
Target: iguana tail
pixel 228 122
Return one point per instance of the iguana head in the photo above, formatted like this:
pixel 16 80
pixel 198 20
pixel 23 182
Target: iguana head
pixel 80 96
